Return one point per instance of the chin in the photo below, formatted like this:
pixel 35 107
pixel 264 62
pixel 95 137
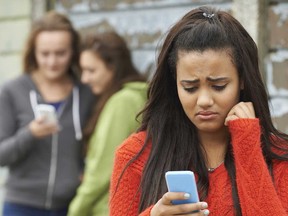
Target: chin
pixel 96 91
pixel 210 128
pixel 54 75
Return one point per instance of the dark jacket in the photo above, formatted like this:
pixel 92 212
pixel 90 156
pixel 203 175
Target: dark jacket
pixel 43 172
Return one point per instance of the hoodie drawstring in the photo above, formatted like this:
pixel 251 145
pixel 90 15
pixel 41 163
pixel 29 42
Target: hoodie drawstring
pixel 76 114
pixel 33 101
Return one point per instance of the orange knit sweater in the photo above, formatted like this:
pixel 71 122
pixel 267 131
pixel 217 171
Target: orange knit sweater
pixel 257 193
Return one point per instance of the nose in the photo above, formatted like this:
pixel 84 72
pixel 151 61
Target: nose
pixel 84 77
pixel 205 99
pixel 52 60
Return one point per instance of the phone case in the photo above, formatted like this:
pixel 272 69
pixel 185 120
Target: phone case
pixel 182 181
pixel 48 111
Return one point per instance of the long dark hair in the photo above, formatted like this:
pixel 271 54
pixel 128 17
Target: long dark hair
pixel 113 50
pixel 175 144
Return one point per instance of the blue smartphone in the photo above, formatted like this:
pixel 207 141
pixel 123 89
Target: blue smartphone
pixel 182 181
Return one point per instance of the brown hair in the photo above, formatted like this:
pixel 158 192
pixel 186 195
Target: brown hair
pixel 112 49
pixel 51 21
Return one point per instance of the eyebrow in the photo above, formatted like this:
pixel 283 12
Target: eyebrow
pixel 217 79
pixel 210 79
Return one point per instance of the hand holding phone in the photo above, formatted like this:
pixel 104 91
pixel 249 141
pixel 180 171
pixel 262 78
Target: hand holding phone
pixel 182 181
pixel 47 111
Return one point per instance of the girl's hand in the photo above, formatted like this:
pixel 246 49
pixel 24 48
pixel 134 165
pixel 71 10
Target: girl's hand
pixel 40 129
pixel 241 110
pixel 164 206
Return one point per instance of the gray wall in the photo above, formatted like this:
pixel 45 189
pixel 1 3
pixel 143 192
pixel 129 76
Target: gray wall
pixel 142 22
pixel 276 61
pixel 14 25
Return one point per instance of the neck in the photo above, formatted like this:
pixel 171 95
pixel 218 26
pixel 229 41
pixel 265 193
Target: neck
pixel 53 90
pixel 214 148
pixel 39 78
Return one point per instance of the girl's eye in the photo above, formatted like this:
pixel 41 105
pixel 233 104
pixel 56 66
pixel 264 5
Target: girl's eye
pixel 219 87
pixel 61 53
pixel 88 70
pixel 45 54
pixel 91 71
pixel 191 89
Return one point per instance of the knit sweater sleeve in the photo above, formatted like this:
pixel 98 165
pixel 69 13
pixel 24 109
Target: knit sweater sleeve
pixel 257 193
pixel 125 186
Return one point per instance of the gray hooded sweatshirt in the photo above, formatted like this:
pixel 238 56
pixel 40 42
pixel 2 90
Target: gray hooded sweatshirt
pixel 44 172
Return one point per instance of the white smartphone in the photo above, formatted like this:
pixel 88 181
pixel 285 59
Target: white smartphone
pixel 182 181
pixel 48 111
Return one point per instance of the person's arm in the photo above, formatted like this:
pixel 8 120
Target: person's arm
pixel 116 122
pixel 257 193
pixel 15 142
pixel 124 193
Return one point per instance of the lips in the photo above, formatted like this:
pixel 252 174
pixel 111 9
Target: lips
pixel 206 115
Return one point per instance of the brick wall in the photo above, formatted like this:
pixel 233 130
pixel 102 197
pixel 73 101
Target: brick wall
pixel 14 25
pixel 277 62
pixel 142 22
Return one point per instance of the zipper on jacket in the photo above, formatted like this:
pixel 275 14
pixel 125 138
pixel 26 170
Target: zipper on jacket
pixel 54 144
pixel 52 172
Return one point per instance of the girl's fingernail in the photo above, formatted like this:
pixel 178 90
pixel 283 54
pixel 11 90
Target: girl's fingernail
pixel 205 205
pixel 206 212
pixel 186 195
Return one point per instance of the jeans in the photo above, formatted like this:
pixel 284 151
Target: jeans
pixel 13 209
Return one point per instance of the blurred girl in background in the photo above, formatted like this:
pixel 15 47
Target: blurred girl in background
pixel 108 69
pixel 44 158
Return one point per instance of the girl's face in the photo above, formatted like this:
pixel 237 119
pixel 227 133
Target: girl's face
pixel 95 72
pixel 53 53
pixel 208 87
